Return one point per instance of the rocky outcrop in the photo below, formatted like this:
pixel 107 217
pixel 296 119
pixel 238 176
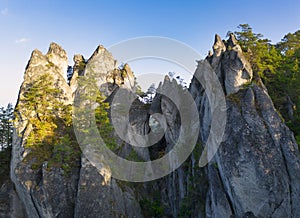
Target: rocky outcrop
pixel 105 70
pixel 257 162
pixel 44 192
pixel 49 190
pixel 113 199
pixel 256 169
pixel 78 70
pixel 182 186
pixel 230 64
pixel 255 173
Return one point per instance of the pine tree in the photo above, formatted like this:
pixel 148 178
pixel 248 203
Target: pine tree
pixel 6 131
pixel 6 126
pixel 258 50
pixel 278 65
pixel 92 102
pixel 51 138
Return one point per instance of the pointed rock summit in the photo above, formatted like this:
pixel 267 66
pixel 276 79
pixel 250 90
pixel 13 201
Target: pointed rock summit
pixel 219 46
pixel 230 64
pixel 56 49
pixel 78 70
pixel 232 41
pixel 58 56
pixel 54 63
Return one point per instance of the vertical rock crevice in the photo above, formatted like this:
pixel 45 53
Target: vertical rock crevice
pixel 250 155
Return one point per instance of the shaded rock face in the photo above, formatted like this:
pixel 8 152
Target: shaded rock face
pixel 10 204
pixel 256 162
pixel 255 173
pixel 78 70
pixel 100 196
pixel 256 169
pixel 182 187
pixel 48 193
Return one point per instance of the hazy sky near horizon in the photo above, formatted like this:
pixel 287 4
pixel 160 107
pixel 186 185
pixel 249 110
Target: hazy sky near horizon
pixel 79 26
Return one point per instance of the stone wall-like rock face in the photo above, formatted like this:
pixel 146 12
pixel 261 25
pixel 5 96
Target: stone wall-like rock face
pixel 257 161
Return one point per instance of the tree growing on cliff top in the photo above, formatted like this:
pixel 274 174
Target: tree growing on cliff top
pixel 51 138
pixel 278 65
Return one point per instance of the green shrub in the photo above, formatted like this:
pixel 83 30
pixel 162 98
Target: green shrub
pixel 152 208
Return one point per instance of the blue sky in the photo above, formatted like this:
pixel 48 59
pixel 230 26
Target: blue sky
pixel 80 26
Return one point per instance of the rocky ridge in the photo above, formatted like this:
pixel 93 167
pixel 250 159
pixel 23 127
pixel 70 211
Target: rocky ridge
pixel 256 170
pixel 255 167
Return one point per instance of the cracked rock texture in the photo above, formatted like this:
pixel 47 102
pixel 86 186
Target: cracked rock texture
pixel 256 169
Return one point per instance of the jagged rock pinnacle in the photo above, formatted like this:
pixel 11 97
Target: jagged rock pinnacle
pixel 55 63
pixel 54 48
pixel 218 46
pixel 167 78
pixel 100 49
pixel 78 70
pixel 229 64
pixel 35 58
pixel 78 58
pixel 232 41
pixel 58 56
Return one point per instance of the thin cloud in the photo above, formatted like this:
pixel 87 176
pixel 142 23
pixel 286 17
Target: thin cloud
pixel 4 11
pixel 21 40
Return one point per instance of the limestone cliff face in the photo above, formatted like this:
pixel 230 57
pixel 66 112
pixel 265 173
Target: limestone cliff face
pixel 48 191
pixel 255 173
pixel 257 166
pixel 107 73
pixel 229 64
pixel 44 193
pixel 256 169
pixel 99 195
